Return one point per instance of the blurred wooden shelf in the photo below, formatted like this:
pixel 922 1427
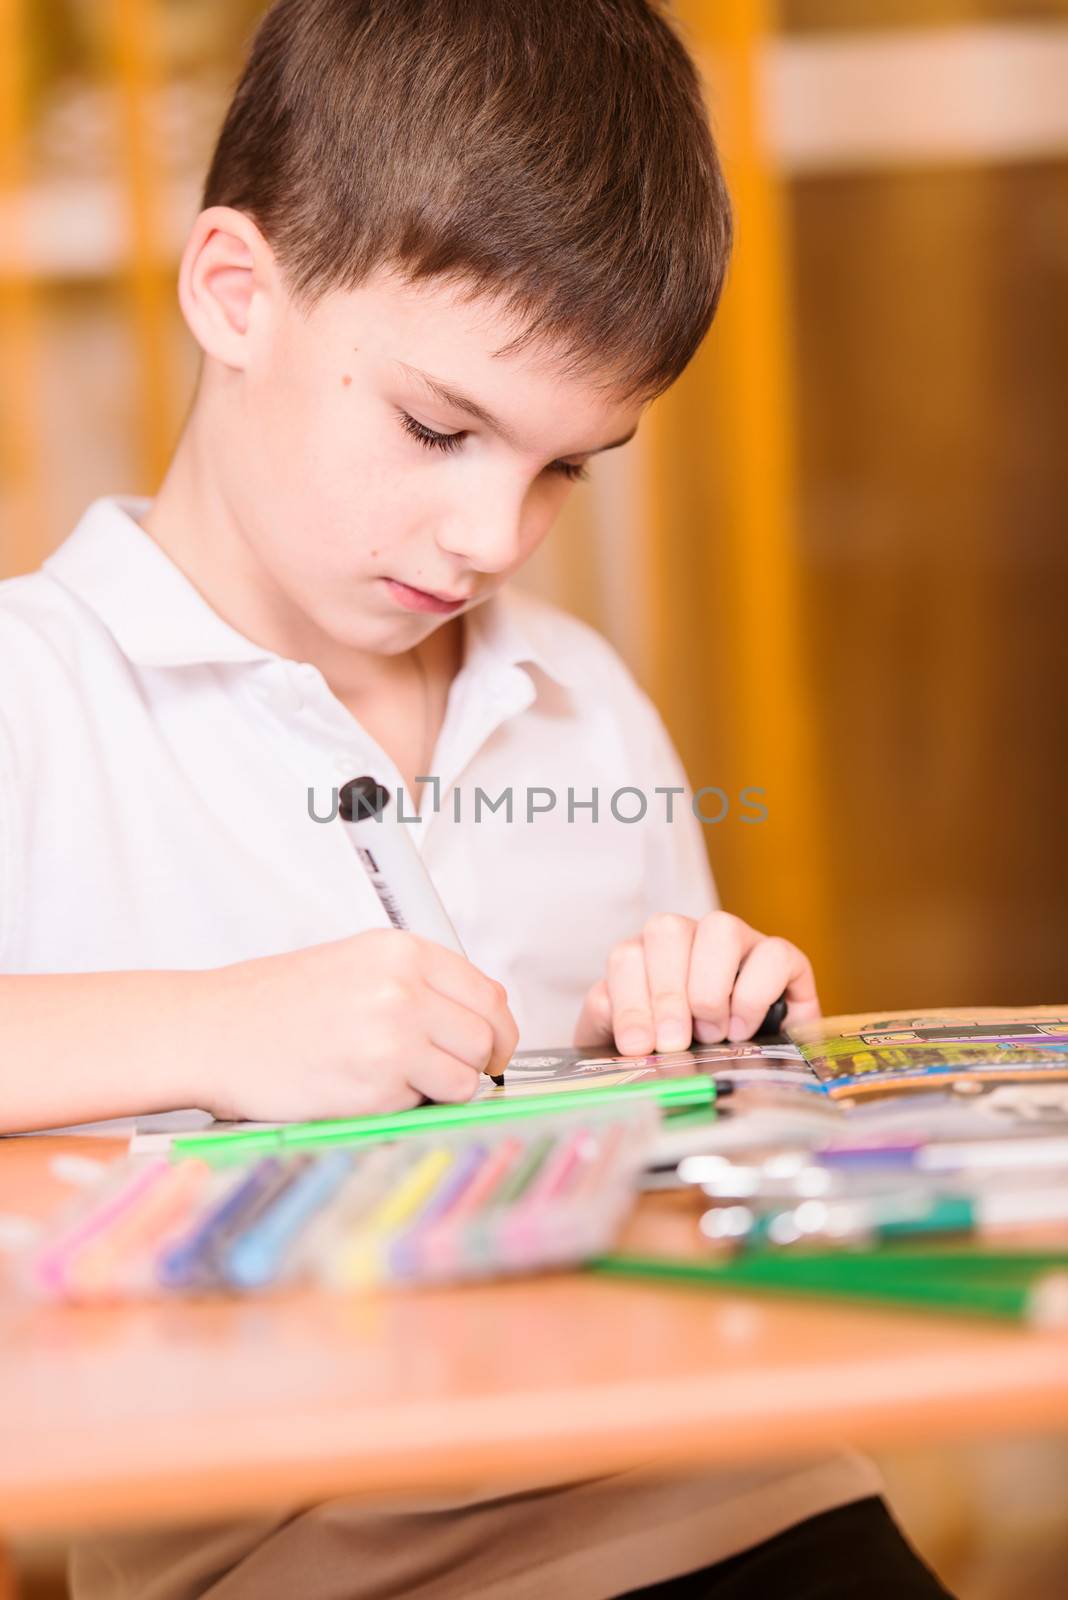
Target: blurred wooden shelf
pixel 70 230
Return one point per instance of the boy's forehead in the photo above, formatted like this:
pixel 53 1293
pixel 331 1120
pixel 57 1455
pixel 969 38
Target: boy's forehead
pixel 447 332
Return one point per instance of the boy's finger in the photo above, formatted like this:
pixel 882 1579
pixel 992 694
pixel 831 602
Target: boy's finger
pixel 439 1076
pixel 772 967
pixel 628 991
pixel 458 1030
pixel 594 1026
pixel 720 945
pixel 668 940
pixel 802 1000
pixel 454 977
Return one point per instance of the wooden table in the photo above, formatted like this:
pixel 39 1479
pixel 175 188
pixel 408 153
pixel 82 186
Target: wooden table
pixel 120 1417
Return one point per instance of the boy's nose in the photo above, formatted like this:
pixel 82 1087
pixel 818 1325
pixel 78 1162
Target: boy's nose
pixel 485 541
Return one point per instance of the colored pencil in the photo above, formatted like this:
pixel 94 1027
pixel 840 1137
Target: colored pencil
pixel 1042 1301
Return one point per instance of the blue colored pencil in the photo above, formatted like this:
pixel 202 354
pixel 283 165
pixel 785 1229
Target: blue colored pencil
pixel 193 1259
pixel 255 1257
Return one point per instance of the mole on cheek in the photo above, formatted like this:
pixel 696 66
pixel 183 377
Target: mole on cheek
pixel 346 379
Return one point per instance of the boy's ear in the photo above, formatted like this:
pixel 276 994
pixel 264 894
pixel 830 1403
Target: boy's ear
pixel 226 264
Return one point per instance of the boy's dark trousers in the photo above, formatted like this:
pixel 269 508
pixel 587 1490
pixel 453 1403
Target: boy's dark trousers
pixel 855 1552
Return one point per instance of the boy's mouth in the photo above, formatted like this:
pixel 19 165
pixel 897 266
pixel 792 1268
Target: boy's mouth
pixel 421 599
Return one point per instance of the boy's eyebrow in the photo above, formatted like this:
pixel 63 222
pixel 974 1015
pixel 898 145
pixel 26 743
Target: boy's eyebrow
pixel 462 402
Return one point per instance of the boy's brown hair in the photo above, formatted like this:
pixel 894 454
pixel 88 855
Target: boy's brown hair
pixel 554 154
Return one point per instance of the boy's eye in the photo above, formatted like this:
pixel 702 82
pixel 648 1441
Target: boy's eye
pixel 452 441
pixel 427 436
pixel 570 469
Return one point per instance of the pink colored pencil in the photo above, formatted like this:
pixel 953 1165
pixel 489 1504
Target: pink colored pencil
pixel 99 1270
pixel 439 1247
pixel 51 1264
pixel 520 1238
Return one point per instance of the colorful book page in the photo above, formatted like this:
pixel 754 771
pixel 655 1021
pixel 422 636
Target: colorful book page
pixel 893 1052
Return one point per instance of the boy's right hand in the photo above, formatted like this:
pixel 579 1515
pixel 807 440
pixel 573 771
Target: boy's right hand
pixel 366 1024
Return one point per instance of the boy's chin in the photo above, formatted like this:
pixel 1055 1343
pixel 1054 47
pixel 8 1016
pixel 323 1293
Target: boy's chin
pixel 375 634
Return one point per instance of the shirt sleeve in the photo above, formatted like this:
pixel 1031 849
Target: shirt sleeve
pixel 677 874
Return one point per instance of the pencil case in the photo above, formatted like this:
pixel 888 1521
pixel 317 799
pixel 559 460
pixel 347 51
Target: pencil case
pixel 438 1208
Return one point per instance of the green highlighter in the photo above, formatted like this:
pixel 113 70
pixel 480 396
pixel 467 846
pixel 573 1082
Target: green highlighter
pixel 670 1093
pixel 1031 1288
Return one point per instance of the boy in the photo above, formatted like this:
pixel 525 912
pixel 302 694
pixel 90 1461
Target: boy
pixel 449 250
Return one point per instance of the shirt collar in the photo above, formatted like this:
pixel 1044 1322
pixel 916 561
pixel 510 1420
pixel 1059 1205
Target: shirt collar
pixel 159 618
pixel 156 616
pixel 510 630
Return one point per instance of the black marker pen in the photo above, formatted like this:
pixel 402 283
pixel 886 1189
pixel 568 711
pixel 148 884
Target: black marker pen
pixel 395 868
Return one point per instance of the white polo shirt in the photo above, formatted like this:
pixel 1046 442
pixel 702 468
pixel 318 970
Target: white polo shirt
pixel 160 775
pixel 154 776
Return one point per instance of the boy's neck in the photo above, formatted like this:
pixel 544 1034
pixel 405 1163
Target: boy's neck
pixel 191 522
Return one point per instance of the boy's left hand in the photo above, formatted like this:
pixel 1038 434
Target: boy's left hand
pixel 682 980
